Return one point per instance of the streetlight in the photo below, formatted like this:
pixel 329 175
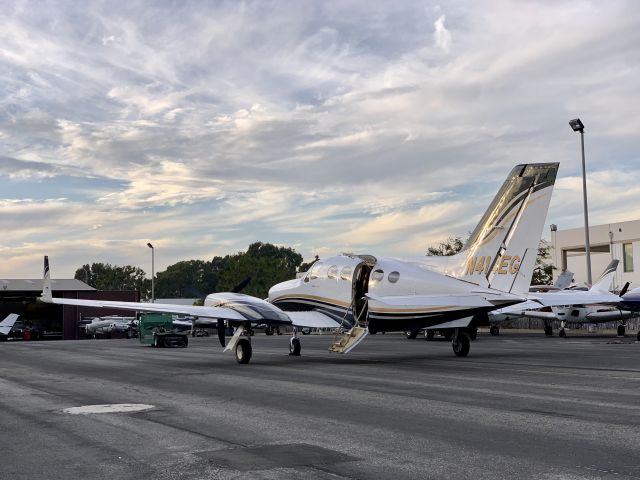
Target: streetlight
pixel 153 273
pixel 554 229
pixel 578 126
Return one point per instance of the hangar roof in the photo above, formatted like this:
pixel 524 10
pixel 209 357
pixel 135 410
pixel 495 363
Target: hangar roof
pixel 31 285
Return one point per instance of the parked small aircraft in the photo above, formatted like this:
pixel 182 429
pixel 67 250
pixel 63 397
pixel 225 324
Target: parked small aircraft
pixel 7 324
pixel 363 293
pixel 570 314
pixel 110 324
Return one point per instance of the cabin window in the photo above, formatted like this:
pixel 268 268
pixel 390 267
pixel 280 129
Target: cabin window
pixel 377 275
pixel 315 271
pixel 393 277
pixel 332 273
pixel 627 254
pixel 345 273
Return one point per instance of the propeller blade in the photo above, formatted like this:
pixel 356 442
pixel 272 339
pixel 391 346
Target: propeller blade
pixel 221 336
pixel 624 289
pixel 241 286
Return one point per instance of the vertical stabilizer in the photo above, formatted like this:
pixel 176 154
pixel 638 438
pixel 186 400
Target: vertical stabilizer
pixel 605 281
pixel 46 295
pixel 502 249
pixel 7 324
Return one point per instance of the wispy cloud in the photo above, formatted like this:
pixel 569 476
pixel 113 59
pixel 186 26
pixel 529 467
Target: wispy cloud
pixel 328 126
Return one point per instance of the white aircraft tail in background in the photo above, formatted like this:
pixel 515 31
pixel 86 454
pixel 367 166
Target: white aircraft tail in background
pixel 7 324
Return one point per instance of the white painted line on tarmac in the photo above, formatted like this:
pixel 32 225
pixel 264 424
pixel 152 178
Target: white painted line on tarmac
pixel 108 408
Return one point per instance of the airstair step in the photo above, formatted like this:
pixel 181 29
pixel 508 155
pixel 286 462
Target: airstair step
pixel 349 340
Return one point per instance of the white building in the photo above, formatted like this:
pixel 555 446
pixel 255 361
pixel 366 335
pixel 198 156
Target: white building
pixel 610 241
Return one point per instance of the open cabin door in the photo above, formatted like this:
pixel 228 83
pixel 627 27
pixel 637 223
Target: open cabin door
pixel 360 287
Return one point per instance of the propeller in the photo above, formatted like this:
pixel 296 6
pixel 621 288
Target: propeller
pixel 241 286
pixel 624 289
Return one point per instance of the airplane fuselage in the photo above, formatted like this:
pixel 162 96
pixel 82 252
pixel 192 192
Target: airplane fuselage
pixel 354 288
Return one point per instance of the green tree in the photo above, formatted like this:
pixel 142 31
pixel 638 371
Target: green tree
pixel 189 278
pixel 304 267
pixel 543 269
pixel 451 246
pixel 104 276
pixel 265 263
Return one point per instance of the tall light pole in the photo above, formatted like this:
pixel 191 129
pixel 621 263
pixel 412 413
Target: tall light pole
pixel 578 126
pixel 153 272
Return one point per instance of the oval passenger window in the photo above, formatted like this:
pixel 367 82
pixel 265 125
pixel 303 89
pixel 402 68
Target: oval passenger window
pixel 393 277
pixel 345 273
pixel 377 275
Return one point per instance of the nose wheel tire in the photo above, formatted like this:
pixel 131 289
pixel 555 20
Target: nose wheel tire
pixel 548 331
pixel 411 334
pixel 243 351
pixel 494 331
pixel 562 333
pixel 429 334
pixel 295 347
pixel 621 330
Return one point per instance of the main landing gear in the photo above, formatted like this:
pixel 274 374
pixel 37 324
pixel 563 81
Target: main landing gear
pixel 494 330
pixel 294 346
pixel 460 342
pixel 243 351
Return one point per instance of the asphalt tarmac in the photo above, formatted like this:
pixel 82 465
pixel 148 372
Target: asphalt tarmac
pixel 519 406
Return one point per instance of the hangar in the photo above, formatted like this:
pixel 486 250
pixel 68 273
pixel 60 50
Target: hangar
pixel 57 321
pixel 619 240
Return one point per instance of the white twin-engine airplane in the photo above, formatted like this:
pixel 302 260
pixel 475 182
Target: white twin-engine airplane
pixel 362 293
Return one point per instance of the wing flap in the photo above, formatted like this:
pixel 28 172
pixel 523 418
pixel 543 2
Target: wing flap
pixel 313 319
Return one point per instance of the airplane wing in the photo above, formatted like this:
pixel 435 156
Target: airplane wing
pixel 572 297
pixel 231 306
pixel 7 324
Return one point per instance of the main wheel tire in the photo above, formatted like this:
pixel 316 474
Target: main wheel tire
pixel 411 334
pixel 461 344
pixel 562 333
pixel 243 351
pixel 494 330
pixel 429 334
pixel 185 341
pixel 268 331
pixel 295 347
pixel 548 331
pixel 621 330
pixel 638 337
pixel 156 341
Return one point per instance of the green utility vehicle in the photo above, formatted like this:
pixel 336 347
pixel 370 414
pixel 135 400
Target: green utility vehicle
pixel 157 330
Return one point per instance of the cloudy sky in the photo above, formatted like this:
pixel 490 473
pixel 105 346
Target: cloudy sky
pixel 371 126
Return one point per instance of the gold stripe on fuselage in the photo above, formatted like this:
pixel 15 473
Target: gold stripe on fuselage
pixel 331 301
pixel 442 308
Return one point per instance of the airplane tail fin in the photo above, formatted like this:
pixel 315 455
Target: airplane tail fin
pixel 606 279
pixel 46 295
pixel 563 280
pixel 502 250
pixel 7 324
